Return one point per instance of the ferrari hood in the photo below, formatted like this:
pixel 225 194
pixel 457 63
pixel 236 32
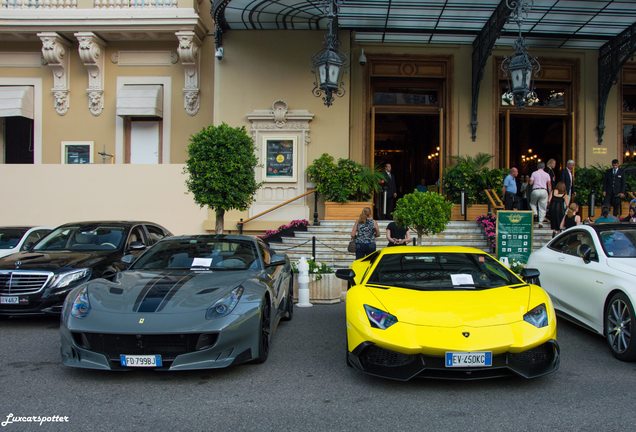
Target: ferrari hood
pixel 625 265
pixel 163 292
pixel 478 308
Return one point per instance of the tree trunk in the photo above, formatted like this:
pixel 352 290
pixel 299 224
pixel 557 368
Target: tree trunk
pixel 419 238
pixel 218 226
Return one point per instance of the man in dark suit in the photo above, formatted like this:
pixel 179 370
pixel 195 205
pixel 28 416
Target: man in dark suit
pixel 567 177
pixel 389 193
pixel 614 187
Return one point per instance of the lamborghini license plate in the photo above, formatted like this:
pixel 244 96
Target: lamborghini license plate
pixel 10 300
pixel 140 360
pixel 468 359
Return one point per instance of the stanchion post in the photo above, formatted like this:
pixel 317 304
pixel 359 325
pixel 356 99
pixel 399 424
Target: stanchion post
pixel 463 204
pixel 316 220
pixel 240 226
pixel 313 247
pixel 590 209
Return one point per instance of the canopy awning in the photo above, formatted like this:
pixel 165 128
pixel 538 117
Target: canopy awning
pixel 16 101
pixel 140 100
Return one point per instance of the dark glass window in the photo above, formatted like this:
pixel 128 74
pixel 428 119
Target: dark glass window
pixel 405 96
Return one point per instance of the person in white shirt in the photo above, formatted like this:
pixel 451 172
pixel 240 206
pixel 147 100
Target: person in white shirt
pixel 541 190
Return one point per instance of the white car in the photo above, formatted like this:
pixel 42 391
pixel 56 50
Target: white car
pixel 590 273
pixel 16 239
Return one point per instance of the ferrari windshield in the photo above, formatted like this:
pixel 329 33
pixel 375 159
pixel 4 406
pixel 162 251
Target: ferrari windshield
pixel 619 243
pixel 199 254
pixel 441 271
pixel 91 237
pixel 10 237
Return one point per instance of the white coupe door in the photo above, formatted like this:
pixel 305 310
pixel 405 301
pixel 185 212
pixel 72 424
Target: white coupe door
pixel 579 287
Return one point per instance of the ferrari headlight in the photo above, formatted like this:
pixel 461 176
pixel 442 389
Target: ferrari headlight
pixel 538 316
pixel 63 280
pixel 81 306
pixel 378 318
pixel 226 305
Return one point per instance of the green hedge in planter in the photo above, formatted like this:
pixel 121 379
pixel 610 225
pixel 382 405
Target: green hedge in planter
pixel 343 181
pixel 471 174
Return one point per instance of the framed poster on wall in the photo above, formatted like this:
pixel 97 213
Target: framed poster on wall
pixel 280 159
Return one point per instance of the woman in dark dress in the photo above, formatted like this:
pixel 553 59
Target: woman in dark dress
pixel 571 217
pixel 558 204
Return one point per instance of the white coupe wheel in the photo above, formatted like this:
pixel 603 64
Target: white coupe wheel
pixel 619 316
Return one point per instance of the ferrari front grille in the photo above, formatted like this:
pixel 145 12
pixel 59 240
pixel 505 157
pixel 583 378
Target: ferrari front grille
pixel 18 282
pixel 168 345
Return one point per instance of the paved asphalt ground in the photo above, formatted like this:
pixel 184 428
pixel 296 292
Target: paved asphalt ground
pixel 305 386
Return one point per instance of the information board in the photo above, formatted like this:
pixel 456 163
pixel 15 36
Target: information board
pixel 280 159
pixel 514 235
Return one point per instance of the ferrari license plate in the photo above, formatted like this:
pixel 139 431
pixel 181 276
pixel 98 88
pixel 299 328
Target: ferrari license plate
pixel 10 300
pixel 468 359
pixel 140 360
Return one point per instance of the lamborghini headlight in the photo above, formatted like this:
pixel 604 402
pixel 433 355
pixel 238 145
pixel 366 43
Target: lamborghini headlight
pixel 81 305
pixel 378 318
pixel 226 305
pixel 63 280
pixel 538 316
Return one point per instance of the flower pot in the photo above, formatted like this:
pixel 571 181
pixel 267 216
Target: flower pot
pixel 345 211
pixel 326 290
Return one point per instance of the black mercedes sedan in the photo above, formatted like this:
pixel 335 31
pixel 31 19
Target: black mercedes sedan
pixel 36 282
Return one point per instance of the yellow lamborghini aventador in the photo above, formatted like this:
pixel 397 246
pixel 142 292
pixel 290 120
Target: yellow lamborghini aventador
pixel 446 312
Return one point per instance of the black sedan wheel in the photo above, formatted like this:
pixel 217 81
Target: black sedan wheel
pixel 265 333
pixel 619 316
pixel 289 306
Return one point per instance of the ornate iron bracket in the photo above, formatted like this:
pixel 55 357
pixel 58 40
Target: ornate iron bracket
pixel 482 47
pixel 611 58
pixel 220 24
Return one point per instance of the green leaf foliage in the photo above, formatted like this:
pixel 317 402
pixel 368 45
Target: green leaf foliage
pixel 471 174
pixel 427 213
pixel 587 180
pixel 343 181
pixel 220 168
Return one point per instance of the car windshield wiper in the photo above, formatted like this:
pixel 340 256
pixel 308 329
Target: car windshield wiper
pixel 374 285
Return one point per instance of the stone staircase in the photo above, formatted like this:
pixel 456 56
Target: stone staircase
pixel 332 238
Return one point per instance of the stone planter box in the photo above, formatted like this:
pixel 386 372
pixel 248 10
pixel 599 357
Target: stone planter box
pixel 472 211
pixel 345 211
pixel 327 290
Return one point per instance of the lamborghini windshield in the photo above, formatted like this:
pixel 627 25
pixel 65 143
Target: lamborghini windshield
pixel 441 271
pixel 199 254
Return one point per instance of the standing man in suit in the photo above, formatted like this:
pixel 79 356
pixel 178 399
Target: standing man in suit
pixel 567 177
pixel 614 187
pixel 389 190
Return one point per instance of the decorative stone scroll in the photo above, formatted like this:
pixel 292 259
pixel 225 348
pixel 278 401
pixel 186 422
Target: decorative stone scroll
pixel 188 50
pixel 54 52
pixel 91 52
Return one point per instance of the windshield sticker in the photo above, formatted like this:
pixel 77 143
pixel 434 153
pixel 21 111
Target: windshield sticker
pixel 201 262
pixel 462 279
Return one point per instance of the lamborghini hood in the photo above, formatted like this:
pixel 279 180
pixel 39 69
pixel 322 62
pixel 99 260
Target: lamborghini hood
pixel 475 308
pixel 163 292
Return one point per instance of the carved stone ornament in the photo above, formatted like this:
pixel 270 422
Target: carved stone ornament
pixel 188 51
pixel 279 109
pixel 54 52
pixel 91 52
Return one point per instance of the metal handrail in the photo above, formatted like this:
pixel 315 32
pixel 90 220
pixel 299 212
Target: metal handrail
pixel 494 201
pixel 242 222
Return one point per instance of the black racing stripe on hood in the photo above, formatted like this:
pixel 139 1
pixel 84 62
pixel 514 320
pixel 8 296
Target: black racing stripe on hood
pixel 145 290
pixel 176 287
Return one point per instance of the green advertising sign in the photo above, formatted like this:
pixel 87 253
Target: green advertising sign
pixel 514 235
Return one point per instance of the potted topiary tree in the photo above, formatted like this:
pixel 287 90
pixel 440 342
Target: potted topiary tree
pixel 345 186
pixel 220 169
pixel 427 213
